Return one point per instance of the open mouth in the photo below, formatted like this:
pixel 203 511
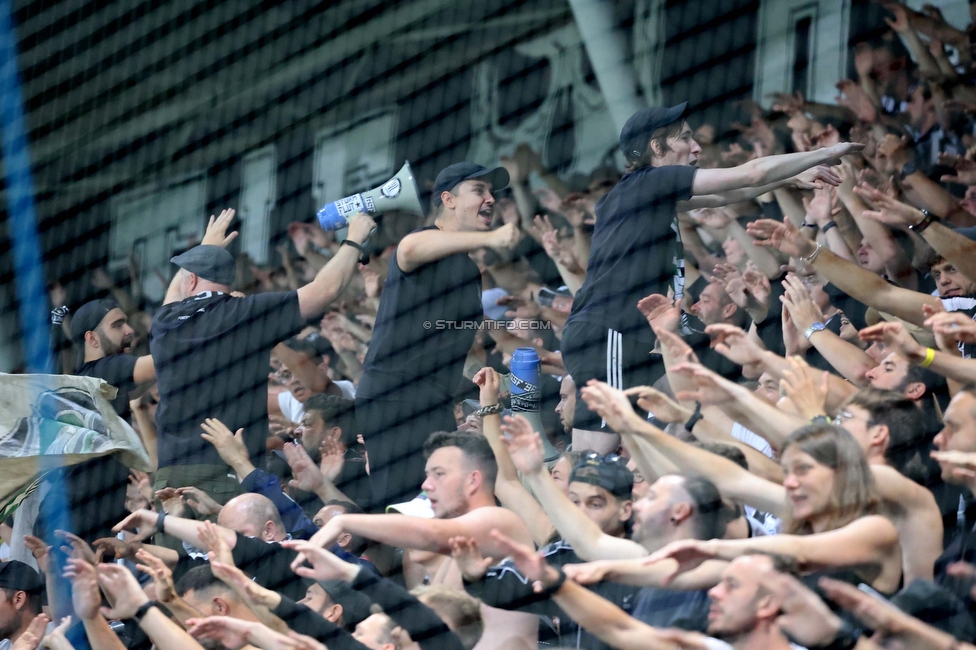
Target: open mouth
pixel 953 293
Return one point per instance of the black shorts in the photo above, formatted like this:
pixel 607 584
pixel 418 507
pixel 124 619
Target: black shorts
pixel 593 351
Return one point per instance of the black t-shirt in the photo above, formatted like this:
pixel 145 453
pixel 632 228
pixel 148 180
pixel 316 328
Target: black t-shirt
pixel 269 563
pixel 212 354
pixel 636 249
pixel 117 370
pixel 409 358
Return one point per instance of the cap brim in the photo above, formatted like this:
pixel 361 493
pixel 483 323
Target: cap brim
pixel 498 177
pixel 418 507
pixel 675 113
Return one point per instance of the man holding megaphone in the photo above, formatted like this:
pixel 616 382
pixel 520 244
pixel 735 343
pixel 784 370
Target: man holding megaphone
pixel 428 315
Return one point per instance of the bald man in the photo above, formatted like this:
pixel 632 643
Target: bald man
pixel 249 524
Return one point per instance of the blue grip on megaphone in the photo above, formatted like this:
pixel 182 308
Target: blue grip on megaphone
pixel 330 219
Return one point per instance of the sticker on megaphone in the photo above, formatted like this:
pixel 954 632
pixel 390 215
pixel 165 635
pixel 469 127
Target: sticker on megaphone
pixel 399 194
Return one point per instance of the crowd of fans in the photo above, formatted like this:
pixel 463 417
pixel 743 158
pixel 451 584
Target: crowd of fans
pixel 756 371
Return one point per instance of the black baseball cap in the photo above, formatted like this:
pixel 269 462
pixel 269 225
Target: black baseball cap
pixel 637 131
pixel 609 472
pixel 20 577
pixel 355 605
pixel 452 175
pixel 209 262
pixel 88 316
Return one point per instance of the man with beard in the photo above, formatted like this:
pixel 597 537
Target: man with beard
pixel 743 613
pixel 102 333
pixel 426 323
pixel 95 489
pixel 20 600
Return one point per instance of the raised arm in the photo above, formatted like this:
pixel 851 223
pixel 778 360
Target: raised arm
pixel 773 424
pixel 312 377
pixel 896 261
pixel 597 615
pixel 848 359
pixel 315 296
pixel 896 338
pixel 508 487
pixel 119 583
pixel 733 482
pixel 859 283
pixel 956 248
pixel 188 530
pixel 767 170
pixel 586 538
pixel 868 543
pixel 666 410
pixel 419 248
pixel 426 534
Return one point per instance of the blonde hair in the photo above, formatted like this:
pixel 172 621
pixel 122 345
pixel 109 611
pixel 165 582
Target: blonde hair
pixel 461 612
pixel 854 493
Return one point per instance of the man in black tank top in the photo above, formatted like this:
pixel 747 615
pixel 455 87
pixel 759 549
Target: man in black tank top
pixel 426 323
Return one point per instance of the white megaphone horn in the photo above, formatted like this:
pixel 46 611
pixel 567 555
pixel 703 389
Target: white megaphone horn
pixel 399 194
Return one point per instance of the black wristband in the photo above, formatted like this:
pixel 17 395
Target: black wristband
pixel 808 225
pixel 363 255
pixel 695 417
pixel 159 521
pixel 556 586
pixel 924 223
pixel 847 637
pixel 827 226
pixel 145 607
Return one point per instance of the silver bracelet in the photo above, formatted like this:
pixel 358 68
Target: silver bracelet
pixel 813 256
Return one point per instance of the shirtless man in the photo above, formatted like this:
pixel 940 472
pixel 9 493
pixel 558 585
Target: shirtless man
pixel 460 484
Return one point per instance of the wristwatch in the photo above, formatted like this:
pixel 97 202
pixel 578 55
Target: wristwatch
pixel 927 219
pixel 816 327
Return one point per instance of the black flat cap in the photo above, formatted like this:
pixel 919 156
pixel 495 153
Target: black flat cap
pixel 211 263
pixel 452 175
pixel 88 316
pixel 637 131
pixel 20 577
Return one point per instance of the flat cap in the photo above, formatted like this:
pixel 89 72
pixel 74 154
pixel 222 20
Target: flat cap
pixel 209 262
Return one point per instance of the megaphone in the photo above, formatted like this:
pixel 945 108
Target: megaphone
pixel 399 194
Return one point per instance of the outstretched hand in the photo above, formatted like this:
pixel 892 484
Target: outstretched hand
pixel 216 234
pixel 784 237
pixel 523 443
pixel 530 564
pixel 612 405
pixel 467 556
pixel 688 553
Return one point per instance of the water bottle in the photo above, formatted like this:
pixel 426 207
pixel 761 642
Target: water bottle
pixel 526 395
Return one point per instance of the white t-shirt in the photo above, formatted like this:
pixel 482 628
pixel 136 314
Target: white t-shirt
pixel 752 439
pixel 292 409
